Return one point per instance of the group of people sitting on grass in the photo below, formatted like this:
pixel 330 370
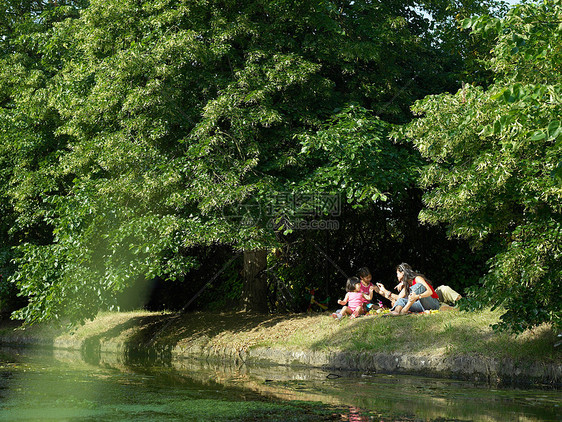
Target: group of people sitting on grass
pixel 415 294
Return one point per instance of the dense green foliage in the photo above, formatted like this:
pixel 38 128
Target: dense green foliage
pixel 29 147
pixel 495 159
pixel 149 142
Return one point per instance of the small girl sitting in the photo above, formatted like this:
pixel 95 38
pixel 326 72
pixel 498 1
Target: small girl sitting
pixel 353 301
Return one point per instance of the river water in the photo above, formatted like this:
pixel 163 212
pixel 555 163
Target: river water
pixel 42 385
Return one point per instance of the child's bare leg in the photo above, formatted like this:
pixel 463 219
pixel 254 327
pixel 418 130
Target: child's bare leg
pixel 360 310
pixel 346 311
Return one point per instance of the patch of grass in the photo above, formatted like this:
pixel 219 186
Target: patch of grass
pixel 449 333
pixel 99 325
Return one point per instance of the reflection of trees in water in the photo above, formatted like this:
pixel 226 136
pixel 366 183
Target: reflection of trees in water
pixel 391 397
pixel 410 397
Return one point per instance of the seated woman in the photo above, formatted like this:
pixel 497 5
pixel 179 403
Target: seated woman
pixel 416 294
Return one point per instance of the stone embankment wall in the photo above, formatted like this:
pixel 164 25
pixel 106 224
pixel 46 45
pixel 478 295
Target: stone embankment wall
pixel 475 368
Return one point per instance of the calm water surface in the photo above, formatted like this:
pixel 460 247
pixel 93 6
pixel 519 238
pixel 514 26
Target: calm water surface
pixel 62 386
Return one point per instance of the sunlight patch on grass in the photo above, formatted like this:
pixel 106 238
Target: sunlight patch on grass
pixel 105 322
pixel 443 333
pixel 450 333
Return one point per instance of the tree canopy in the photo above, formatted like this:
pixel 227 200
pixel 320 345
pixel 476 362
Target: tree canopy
pixel 132 129
pixel 494 163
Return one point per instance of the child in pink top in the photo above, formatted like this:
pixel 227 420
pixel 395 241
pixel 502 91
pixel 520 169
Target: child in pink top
pixel 353 300
pixel 367 288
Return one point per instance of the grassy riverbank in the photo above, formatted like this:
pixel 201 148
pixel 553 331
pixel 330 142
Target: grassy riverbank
pixel 449 333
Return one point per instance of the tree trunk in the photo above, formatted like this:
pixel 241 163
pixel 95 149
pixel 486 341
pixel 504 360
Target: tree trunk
pixel 254 293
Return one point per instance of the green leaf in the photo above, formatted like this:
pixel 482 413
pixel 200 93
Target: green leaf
pixel 488 130
pixel 538 135
pixel 467 23
pixel 554 129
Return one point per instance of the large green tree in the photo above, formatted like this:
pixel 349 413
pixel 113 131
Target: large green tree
pixel 494 172
pixel 168 113
pixel 29 148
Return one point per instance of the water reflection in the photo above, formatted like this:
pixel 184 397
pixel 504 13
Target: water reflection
pixel 63 386
pixel 388 396
pixel 46 389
